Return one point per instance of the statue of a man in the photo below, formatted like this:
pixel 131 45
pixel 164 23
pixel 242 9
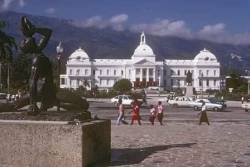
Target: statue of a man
pixel 41 67
pixel 189 78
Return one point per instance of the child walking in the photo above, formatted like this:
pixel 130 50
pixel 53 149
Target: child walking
pixel 160 112
pixel 152 114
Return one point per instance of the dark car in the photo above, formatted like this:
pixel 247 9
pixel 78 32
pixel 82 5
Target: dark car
pixel 3 96
pixel 218 101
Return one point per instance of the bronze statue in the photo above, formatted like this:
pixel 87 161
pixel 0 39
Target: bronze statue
pixel 189 78
pixel 41 67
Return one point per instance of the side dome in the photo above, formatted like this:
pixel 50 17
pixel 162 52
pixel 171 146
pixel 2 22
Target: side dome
pixel 205 55
pixel 143 49
pixel 79 54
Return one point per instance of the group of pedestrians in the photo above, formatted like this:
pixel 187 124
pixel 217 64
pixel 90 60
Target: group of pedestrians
pixel 155 112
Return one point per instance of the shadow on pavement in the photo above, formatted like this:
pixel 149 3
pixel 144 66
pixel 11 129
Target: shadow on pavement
pixel 129 156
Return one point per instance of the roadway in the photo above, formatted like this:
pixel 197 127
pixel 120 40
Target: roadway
pixel 107 110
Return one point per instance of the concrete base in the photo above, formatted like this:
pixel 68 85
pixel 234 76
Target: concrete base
pixel 189 91
pixel 54 144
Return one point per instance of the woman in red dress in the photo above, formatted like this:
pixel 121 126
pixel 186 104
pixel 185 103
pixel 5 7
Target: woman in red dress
pixel 135 114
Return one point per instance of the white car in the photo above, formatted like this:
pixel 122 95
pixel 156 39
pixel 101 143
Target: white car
pixel 210 106
pixel 126 99
pixel 246 106
pixel 181 101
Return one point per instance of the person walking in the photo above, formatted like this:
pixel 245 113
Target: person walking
pixel 120 112
pixel 135 114
pixel 160 112
pixel 152 114
pixel 242 100
pixel 203 114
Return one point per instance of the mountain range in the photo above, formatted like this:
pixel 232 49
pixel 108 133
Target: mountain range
pixel 108 43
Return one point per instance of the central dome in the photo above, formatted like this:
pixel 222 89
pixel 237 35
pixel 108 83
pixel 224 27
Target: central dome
pixel 143 49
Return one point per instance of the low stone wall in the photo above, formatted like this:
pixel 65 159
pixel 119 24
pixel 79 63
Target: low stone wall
pixel 54 144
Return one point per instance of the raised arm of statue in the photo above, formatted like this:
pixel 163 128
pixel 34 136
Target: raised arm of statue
pixel 29 30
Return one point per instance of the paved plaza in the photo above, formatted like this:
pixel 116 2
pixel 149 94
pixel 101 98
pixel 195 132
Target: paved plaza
pixel 182 145
pixel 180 142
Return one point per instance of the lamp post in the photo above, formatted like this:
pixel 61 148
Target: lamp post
pixel 59 51
pixel 201 80
pixel 159 79
pixel 248 87
pixel 248 81
pixel 0 76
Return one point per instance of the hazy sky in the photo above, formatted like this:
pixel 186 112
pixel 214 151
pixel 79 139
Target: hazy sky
pixel 216 20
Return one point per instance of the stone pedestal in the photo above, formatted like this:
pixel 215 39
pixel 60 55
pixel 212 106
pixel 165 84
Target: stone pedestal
pixel 54 144
pixel 189 90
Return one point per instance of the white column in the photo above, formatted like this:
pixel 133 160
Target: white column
pixel 140 74
pixel 133 72
pixel 154 74
pixel 147 75
pixel 159 78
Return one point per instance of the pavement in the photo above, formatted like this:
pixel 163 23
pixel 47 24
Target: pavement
pixel 180 142
pixel 181 145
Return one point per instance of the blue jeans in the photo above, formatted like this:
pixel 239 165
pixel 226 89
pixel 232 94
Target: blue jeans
pixel 120 117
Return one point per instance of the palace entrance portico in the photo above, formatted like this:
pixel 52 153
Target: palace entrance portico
pixel 144 74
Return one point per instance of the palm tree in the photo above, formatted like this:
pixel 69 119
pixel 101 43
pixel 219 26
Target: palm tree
pixel 7 44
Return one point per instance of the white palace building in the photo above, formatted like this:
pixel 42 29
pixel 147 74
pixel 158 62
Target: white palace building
pixel 142 70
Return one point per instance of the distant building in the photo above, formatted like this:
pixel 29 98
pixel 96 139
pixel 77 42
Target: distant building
pixel 142 70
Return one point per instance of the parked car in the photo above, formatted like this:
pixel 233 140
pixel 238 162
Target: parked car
pixel 126 99
pixel 246 106
pixel 3 96
pixel 210 106
pixel 181 101
pixel 218 101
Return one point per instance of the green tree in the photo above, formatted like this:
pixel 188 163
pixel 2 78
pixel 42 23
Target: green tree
pixel 236 82
pixel 7 46
pixel 123 85
pixel 21 72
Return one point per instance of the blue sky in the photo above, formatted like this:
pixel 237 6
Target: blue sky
pixel 217 20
